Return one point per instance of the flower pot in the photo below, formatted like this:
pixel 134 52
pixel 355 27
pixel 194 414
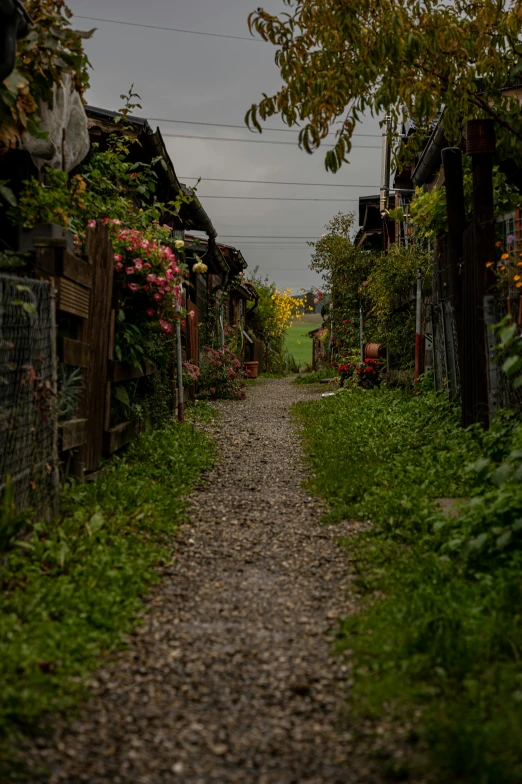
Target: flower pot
pixel 252 368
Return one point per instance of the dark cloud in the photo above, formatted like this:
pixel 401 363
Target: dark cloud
pixel 207 79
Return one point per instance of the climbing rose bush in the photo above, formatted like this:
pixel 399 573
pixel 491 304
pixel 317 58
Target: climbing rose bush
pixel 221 375
pixel 150 270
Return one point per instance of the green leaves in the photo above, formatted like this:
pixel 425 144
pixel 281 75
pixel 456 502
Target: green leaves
pixel 7 194
pixel 121 394
pixel 409 57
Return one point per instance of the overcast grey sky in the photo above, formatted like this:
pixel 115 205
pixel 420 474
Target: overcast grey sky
pixel 206 79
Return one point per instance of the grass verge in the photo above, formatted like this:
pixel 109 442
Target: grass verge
pixel 74 588
pixel 440 634
pixel 316 376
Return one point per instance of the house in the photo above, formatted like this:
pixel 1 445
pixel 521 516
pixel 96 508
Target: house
pixel 375 233
pixel 191 216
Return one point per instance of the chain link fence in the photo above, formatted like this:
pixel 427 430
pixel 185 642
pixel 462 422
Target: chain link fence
pixel 28 431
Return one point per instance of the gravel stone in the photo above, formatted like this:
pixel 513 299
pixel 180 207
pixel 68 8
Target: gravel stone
pixel 231 677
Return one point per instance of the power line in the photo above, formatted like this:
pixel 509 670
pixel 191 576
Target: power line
pixel 267 236
pixel 169 29
pixel 245 128
pixel 268 198
pixel 256 141
pixel 279 182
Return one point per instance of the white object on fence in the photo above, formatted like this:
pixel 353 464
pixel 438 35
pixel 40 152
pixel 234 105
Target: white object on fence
pixel 66 124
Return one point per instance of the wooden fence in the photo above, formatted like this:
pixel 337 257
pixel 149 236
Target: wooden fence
pixel 86 307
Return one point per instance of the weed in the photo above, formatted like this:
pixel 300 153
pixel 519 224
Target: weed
pixel 444 639
pixel 316 376
pixel 74 589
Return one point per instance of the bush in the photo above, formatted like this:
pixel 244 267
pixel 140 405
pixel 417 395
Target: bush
pixel 221 375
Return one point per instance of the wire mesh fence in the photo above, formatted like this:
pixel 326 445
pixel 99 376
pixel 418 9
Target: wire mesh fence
pixel 28 434
pixel 508 395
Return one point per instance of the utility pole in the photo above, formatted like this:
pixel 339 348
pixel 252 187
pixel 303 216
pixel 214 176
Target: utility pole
pixel 385 167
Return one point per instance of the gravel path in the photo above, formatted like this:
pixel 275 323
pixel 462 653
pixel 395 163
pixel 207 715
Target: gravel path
pixel 231 679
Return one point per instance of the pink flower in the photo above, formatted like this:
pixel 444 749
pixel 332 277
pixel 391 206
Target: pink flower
pixel 138 264
pixel 147 265
pixel 134 286
pixel 117 257
pixel 151 277
pixel 166 326
pixel 150 312
pixel 91 224
pixel 129 270
pixel 106 220
pixel 116 222
pixel 183 322
pixel 191 313
pixel 145 244
pixel 118 266
pixel 157 296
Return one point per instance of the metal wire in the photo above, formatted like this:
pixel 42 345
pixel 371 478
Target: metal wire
pixel 27 393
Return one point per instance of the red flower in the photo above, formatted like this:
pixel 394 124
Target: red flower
pixel 166 326
pixel 150 312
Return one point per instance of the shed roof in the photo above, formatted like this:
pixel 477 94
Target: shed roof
pixel 193 215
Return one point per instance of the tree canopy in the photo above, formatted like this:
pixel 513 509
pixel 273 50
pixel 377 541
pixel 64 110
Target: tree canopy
pixel 342 58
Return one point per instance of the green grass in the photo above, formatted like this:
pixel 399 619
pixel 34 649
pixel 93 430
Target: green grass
pixel 298 343
pixel 74 588
pixel 317 376
pixel 440 634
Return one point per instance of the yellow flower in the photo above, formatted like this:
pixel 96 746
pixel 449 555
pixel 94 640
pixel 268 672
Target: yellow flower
pixel 519 284
pixel 504 256
pixel 498 244
pixel 517 277
pixel 179 244
pixel 489 264
pixel 502 268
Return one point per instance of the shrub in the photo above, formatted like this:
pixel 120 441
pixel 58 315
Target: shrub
pixel 221 375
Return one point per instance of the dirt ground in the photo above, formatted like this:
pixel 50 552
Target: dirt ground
pixel 231 677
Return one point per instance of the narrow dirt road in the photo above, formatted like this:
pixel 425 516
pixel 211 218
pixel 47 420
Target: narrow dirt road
pixel 231 678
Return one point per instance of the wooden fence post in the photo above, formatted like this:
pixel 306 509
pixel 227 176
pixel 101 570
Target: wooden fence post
pixel 100 253
pixel 480 145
